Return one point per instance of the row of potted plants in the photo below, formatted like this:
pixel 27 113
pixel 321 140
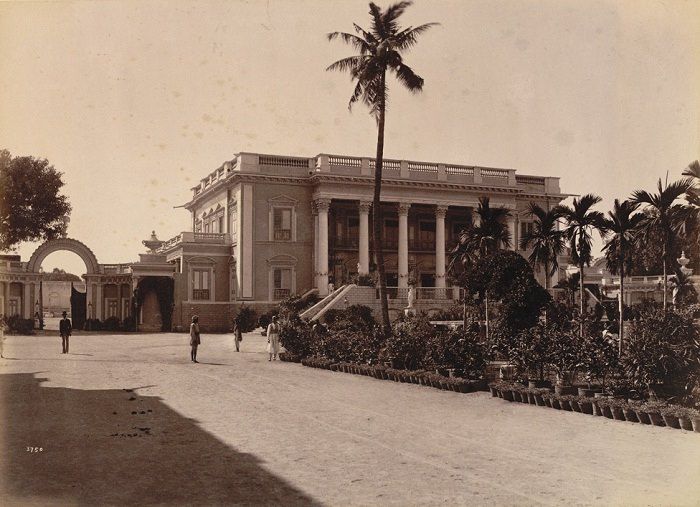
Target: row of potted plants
pixel 382 372
pixel 657 413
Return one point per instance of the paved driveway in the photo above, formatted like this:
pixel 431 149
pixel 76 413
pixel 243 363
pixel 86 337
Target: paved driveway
pixel 127 419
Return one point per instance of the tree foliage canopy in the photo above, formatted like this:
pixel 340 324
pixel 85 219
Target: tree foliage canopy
pixel 31 206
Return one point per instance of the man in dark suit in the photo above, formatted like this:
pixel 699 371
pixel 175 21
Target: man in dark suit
pixel 65 328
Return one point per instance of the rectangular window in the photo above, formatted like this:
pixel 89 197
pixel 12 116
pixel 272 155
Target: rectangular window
pixel 198 226
pixel 112 308
pixel 391 230
pixel 233 225
pixel 525 228
pixel 282 224
pixel 200 284
pixel 220 223
pixel 282 283
pixel 14 306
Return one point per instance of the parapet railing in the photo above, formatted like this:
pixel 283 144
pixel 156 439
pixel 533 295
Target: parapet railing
pixel 217 238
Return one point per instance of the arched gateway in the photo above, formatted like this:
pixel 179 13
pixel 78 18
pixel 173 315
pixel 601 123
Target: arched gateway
pixel 55 245
pixel 135 294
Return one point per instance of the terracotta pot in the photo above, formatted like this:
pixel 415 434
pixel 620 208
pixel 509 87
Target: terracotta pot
pixel 524 397
pixel 500 394
pixel 617 413
pixel 630 415
pixel 584 391
pixel 607 411
pixel 516 396
pixel 696 425
pixel 565 405
pixel 642 416
pixel 531 398
pixel 547 401
pixel 686 423
pixel 596 409
pixel 575 406
pixel 555 404
pixel 586 407
pixel 671 421
pixel 656 419
pixel 507 395
pixel 539 401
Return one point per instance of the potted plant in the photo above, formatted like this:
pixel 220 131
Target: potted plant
pixel 653 409
pixel 554 399
pixel 685 417
pixel 603 404
pixel 670 418
pixel 640 411
pixel 493 389
pixel 539 394
pixel 585 405
pixel 565 402
pixel 616 407
pixel 630 413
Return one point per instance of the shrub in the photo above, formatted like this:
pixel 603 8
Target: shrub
pixel 93 325
pixel 246 319
pixel 355 317
pixel 406 345
pixel 265 319
pixel 18 325
pixel 111 324
pixel 662 348
pixel 296 337
pixel 459 349
pixel 454 312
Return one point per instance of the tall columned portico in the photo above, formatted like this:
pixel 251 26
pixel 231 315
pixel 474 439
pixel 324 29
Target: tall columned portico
pixel 363 254
pixel 322 207
pixel 403 244
pixel 512 230
pixel 440 212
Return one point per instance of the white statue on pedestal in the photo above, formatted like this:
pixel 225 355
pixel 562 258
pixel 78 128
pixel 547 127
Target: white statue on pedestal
pixel 411 297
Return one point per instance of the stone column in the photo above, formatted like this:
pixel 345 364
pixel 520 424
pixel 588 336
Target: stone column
pixel 440 212
pixel 27 303
pixel 403 244
pixel 511 229
pixel 476 219
pixel 363 254
pixel 314 259
pixel 98 305
pixel 322 205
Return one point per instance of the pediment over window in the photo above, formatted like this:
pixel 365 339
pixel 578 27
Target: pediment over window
pixel 282 260
pixel 282 200
pixel 199 260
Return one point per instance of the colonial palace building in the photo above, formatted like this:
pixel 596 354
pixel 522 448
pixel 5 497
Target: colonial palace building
pixel 267 226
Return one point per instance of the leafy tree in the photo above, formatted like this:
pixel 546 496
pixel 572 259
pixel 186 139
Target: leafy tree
pixel 683 290
pixel 489 234
pixel 664 219
pixel 380 51
pixel 31 207
pixel 620 226
pixel 581 221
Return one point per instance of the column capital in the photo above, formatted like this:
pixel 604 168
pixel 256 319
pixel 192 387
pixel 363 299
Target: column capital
pixel 403 208
pixel 441 210
pixel 365 206
pixel 322 205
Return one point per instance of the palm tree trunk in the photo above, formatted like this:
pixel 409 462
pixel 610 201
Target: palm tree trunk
pixel 546 288
pixel 663 261
pixel 621 303
pixel 580 285
pixel 377 211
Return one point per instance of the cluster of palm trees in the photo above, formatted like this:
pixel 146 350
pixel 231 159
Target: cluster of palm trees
pixel 646 217
pixel 380 51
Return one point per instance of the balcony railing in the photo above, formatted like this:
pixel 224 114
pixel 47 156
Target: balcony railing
pixel 278 294
pixel 282 235
pixel 200 294
pixel 216 238
pixel 426 293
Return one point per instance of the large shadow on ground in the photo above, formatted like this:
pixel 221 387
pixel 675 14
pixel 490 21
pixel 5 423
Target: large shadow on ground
pixel 114 447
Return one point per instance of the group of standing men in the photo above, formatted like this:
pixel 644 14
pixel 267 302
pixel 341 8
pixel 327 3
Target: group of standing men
pixel 273 338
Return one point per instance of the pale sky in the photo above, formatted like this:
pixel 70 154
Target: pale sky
pixel 135 101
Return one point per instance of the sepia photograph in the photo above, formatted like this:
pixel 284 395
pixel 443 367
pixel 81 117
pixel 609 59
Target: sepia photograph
pixel 350 252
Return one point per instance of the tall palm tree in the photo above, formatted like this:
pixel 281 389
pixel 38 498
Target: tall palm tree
pixel 581 221
pixel 545 240
pixel 664 218
pixel 380 50
pixel 621 225
pixel 693 173
pixel 476 241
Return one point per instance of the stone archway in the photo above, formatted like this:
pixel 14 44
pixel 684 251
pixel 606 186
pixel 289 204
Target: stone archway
pixel 78 301
pixel 55 245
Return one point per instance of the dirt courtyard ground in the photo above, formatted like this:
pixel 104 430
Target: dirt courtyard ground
pixel 129 420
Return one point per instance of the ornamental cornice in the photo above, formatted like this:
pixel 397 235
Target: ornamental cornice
pixel 322 205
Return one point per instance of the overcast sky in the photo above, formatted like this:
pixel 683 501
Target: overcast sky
pixel 136 101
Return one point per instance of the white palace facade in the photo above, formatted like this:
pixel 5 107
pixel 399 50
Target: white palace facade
pixel 267 226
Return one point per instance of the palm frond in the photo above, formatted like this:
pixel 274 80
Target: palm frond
pixel 357 42
pixel 406 39
pixel 412 81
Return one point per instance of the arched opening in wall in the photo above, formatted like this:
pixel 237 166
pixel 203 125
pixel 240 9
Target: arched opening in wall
pixel 61 289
